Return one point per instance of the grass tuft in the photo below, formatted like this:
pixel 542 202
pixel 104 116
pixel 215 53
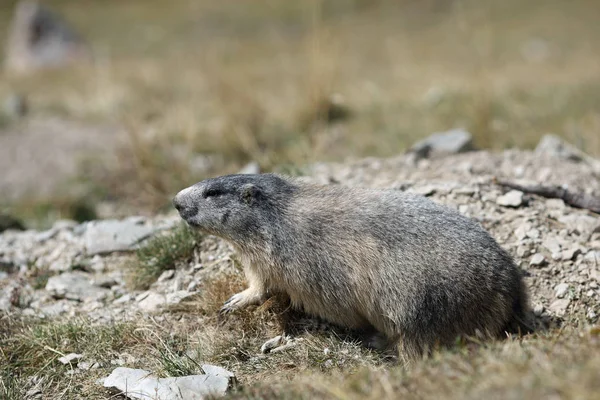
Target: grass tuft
pixel 161 253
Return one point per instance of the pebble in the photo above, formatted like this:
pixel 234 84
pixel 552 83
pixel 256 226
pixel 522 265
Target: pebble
pixel 561 289
pixel 537 260
pixel 513 198
pixel 70 358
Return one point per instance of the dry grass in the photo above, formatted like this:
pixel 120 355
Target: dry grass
pixel 241 81
pixel 323 364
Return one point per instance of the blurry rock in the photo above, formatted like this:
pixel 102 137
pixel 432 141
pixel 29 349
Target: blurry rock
pixel 559 307
pixel 107 236
pixel 141 384
pixel 150 301
pixel 39 38
pixel 250 168
pixel 514 198
pixel 442 143
pixel 71 358
pixel 15 106
pixel 561 290
pixel 554 146
pixel 537 260
pixel 75 286
pixel 9 222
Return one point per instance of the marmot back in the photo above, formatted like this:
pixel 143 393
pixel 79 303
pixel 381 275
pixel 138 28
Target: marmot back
pixel 413 272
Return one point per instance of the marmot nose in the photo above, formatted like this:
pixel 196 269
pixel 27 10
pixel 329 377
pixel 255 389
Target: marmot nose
pixel 177 203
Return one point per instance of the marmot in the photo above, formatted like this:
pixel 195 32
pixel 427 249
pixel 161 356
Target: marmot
pixel 415 273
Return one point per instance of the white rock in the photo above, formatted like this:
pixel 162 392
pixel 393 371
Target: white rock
pixel 166 275
pixel 442 143
pixel 569 254
pixel 75 285
pixel 514 198
pixel 107 236
pixel 533 233
pixel 152 302
pixel 559 307
pixel 537 260
pixel 561 289
pixel 70 358
pixel 142 385
pixel 552 245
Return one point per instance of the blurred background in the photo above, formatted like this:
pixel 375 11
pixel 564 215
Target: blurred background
pixel 109 107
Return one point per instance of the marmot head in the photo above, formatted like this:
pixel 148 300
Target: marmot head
pixel 234 206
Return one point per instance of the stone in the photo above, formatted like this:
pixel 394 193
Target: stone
pixel 40 39
pixel 88 365
pixel 559 307
pixel 108 236
pixel 569 254
pixel 537 260
pixel 538 310
pixel 513 198
pixel 443 143
pixel 561 290
pixel 71 358
pixel 250 168
pixel 552 245
pixel 141 384
pixel 178 296
pixel 15 106
pixel 533 233
pixel 152 302
pixel 75 285
pixel 166 275
pixel 554 146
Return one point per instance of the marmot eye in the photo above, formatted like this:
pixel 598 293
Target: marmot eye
pixel 211 193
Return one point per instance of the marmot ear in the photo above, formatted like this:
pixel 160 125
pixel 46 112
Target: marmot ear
pixel 249 193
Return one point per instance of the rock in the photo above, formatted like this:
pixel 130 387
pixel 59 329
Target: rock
pixel 107 236
pixel 152 302
pixel 9 222
pixel 250 168
pixel 514 198
pixel 15 106
pixel 537 260
pixel 521 231
pixel 538 310
pixel 166 275
pixel 178 296
pixel 443 143
pixel 552 245
pixel 554 146
pixel 40 39
pixel 559 307
pixel 88 365
pixel 140 384
pixel 71 358
pixel 75 285
pixel 561 289
pixel 569 254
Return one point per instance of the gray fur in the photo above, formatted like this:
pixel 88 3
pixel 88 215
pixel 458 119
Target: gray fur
pixel 399 264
